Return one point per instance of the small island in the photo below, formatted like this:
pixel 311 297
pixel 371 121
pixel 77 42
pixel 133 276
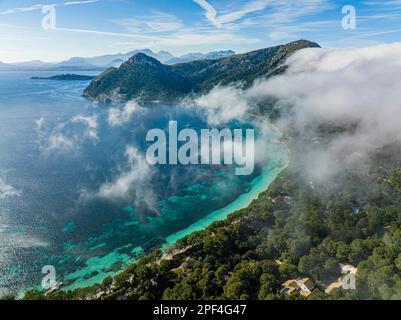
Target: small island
pixel 65 77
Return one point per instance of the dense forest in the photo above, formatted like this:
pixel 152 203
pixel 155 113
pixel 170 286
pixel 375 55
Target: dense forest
pixel 295 229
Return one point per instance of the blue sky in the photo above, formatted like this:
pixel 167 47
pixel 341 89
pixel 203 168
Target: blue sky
pixel 95 27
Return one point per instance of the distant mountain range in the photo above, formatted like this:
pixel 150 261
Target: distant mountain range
pixel 148 79
pixel 199 56
pixel 66 77
pixel 101 63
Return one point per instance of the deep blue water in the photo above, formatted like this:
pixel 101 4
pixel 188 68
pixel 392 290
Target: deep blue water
pixel 53 166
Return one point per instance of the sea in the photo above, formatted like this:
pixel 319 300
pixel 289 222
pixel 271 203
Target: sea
pixel 77 195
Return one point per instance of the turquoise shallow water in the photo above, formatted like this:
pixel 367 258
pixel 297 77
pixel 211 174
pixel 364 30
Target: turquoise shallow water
pixel 259 184
pixel 60 151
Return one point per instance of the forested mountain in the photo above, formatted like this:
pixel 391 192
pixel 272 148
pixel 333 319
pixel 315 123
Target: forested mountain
pixel 147 79
pixel 141 76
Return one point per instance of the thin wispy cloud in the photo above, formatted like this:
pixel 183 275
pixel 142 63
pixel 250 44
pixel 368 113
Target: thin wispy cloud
pixel 282 19
pixel 290 10
pixel 383 3
pixel 69 3
pixel 176 39
pixel 295 30
pixel 200 25
pixel 218 21
pixel 25 9
pixel 155 22
pixel 41 6
pixel 98 32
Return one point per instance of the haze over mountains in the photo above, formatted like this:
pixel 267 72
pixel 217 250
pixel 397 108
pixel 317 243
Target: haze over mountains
pixel 112 60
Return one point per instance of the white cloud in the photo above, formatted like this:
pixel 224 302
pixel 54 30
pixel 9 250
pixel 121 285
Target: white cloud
pixel 284 20
pixel 62 137
pixel 395 3
pixel 54 140
pixel 41 6
pixel 328 86
pixel 222 104
pixel 70 3
pixel 156 22
pixel 344 86
pixel 118 117
pixel 58 142
pixel 39 123
pixel 284 11
pixel 133 183
pixel 7 190
pixel 90 123
pixel 219 21
pixel 194 37
pixel 210 12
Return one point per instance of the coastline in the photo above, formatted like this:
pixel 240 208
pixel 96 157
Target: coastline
pixel 269 173
pixel 259 185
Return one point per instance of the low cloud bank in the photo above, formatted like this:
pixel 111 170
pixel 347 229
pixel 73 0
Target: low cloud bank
pixel 342 87
pixel 358 87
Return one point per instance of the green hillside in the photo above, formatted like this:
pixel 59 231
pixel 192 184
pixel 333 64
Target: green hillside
pixel 147 79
